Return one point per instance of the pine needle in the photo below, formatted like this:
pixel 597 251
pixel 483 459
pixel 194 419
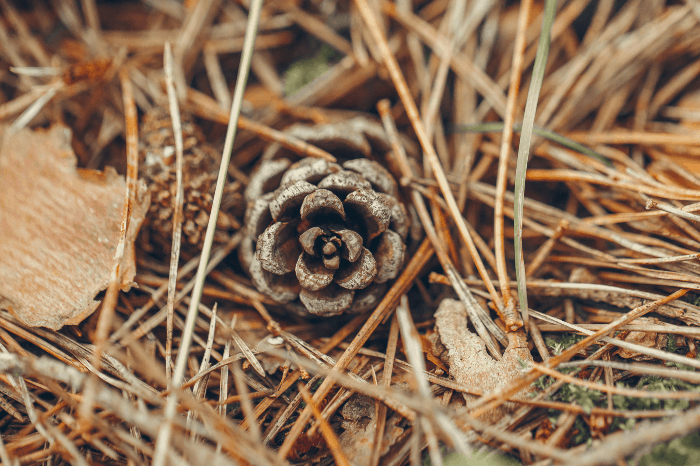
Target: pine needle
pixel 177 207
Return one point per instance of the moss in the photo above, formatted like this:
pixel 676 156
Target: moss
pixel 302 72
pixel 679 452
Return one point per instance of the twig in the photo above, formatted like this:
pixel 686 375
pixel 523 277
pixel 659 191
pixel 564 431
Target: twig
pixel 539 341
pixel 326 430
pixel 428 409
pixel 201 386
pixel 497 398
pixel 381 411
pixel 674 329
pixel 250 357
pixel 36 106
pixel 428 149
pixel 688 376
pixel 105 321
pixel 223 382
pixel 247 406
pixel 204 106
pixel 414 354
pixel 667 395
pixel 421 257
pixel 479 317
pixel 663 355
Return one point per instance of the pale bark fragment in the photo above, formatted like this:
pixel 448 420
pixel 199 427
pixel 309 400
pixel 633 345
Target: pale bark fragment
pixel 59 229
pixel 470 363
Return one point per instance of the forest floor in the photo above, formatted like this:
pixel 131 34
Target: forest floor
pixel 137 328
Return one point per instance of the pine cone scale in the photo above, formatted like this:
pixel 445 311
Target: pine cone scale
pixel 359 274
pixel 288 200
pixel 278 248
pixel 371 209
pixel 329 301
pixel 322 202
pixel 312 273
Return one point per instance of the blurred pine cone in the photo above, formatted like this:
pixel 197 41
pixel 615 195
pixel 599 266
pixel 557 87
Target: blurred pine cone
pixel 200 166
pixel 322 237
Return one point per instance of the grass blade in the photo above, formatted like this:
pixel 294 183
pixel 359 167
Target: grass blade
pixel 497 127
pixel 533 94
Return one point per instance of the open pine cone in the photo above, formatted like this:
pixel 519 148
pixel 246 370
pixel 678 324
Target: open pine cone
pixel 324 237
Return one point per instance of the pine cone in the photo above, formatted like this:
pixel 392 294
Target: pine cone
pixel 330 235
pixel 157 167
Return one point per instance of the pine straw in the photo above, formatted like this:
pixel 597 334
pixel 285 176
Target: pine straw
pixel 606 240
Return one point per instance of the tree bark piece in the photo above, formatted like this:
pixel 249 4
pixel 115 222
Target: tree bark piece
pixel 59 229
pixel 470 363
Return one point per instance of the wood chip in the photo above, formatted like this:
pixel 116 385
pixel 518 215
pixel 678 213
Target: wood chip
pixel 469 362
pixel 59 226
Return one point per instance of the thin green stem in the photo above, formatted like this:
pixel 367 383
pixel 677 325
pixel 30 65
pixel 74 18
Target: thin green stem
pixel 497 127
pixel 533 94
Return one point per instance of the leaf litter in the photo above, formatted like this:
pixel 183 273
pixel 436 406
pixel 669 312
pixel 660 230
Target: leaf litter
pixel 609 233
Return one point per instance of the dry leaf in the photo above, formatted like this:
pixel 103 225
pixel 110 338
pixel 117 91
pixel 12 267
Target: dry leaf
pixel 59 227
pixel 648 339
pixel 469 362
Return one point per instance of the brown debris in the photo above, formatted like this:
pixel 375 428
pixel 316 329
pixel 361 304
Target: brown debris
pixel 89 71
pixel 60 228
pixel 469 362
pixel 359 424
pixel 158 169
pixel 648 339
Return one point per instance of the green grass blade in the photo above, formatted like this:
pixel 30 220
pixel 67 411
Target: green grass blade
pixel 533 94
pixel 497 127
